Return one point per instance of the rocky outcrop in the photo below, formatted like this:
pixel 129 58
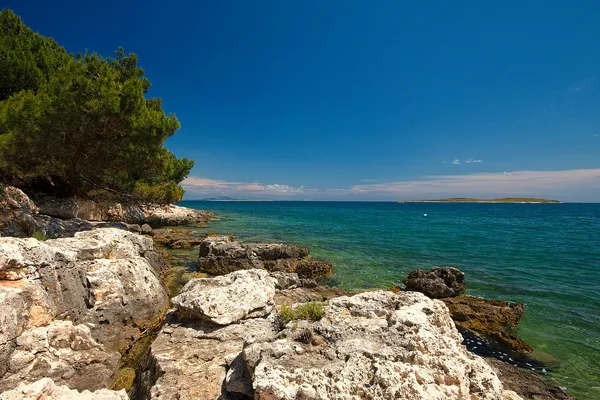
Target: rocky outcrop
pixel 19 217
pixel 192 359
pixel 70 306
pixel 221 255
pixel 437 283
pixel 46 389
pixel 372 345
pixel 169 215
pixel 526 384
pixel 176 238
pixel 229 298
pixel 494 319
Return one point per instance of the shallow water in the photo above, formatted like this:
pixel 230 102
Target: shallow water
pixel 544 255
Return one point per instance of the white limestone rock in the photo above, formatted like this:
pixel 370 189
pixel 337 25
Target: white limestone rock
pixel 46 389
pixel 228 298
pixel 378 345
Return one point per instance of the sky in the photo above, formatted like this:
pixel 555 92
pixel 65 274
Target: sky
pixel 362 100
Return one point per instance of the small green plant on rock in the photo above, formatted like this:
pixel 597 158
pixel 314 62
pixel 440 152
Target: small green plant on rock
pixel 39 235
pixel 108 252
pixel 312 311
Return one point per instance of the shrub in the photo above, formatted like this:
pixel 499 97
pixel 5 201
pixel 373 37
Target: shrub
pixel 312 311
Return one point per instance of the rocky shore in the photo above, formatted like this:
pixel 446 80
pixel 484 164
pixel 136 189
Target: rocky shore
pixel 89 292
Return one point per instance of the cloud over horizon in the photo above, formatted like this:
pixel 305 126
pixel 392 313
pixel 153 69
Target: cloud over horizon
pixel 569 185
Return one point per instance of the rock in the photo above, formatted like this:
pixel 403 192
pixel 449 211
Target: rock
pixel 102 280
pixel 14 200
pixel 176 238
pixel 305 294
pixel 195 359
pixel 146 229
pixel 437 283
pixel 285 280
pixel 64 208
pixel 229 298
pixel 526 384
pixel 376 345
pixel 157 215
pixel 62 351
pixel 110 212
pixel 223 254
pixel 46 389
pixel 493 319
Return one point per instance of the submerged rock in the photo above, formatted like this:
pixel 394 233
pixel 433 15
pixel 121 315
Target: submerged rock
pixel 223 254
pixel 175 239
pixel 437 283
pixel 95 294
pixel 494 319
pixel 373 345
pixel 46 389
pixel 229 298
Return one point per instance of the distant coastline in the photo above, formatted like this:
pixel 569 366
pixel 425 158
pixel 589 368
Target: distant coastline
pixel 528 200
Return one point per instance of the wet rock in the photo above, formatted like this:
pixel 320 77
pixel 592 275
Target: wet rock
pixel 494 319
pixel 228 298
pixel 223 254
pixel 195 359
pixel 527 384
pixel 373 345
pixel 437 283
pixel 46 389
pixel 102 280
pixel 176 238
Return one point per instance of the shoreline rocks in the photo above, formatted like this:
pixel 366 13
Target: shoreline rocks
pixel 71 306
pixel 221 255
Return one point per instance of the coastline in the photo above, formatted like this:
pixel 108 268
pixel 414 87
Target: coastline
pixel 133 358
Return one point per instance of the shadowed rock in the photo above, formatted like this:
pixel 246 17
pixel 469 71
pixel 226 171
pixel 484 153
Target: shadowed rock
pixel 221 255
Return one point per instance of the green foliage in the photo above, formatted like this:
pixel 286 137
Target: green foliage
pixel 26 58
pixel 39 235
pixel 309 311
pixel 84 124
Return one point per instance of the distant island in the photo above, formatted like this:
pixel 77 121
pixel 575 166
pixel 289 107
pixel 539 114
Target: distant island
pixel 473 200
pixel 219 198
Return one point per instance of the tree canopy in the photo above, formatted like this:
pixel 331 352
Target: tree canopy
pixel 82 125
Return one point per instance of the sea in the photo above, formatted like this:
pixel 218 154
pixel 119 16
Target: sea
pixel 544 255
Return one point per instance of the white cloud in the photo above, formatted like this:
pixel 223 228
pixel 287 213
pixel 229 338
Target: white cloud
pixel 503 183
pixel 568 185
pixel 471 161
pixel 596 135
pixel 456 162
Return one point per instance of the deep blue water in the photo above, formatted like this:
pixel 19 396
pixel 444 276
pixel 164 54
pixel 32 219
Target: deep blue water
pixel 544 255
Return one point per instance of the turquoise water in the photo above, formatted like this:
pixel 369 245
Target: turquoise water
pixel 544 255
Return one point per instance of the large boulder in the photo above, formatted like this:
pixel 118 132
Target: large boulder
pixel 14 200
pixel 378 345
pixel 104 280
pixel 437 283
pixel 46 389
pixel 223 254
pixel 495 319
pixel 229 298
pixel 193 359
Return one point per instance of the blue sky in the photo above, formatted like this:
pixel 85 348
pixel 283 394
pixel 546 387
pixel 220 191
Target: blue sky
pixel 357 100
